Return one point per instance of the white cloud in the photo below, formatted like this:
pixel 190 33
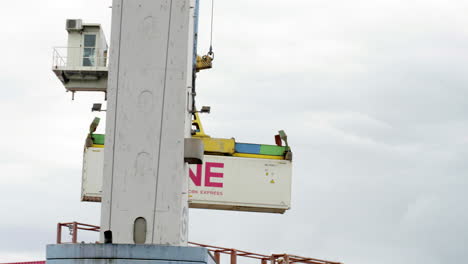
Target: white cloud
pixel 371 93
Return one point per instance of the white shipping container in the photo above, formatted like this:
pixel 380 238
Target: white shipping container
pixel 221 182
pixel 91 181
pixel 241 184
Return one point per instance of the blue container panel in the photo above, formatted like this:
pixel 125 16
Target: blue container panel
pixel 248 148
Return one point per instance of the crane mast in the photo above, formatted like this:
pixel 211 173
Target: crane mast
pixel 150 76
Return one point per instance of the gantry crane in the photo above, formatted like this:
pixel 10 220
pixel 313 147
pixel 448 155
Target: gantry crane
pixel 154 133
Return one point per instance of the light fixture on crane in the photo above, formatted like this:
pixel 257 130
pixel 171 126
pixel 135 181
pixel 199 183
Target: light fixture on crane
pixel 97 108
pixel 205 109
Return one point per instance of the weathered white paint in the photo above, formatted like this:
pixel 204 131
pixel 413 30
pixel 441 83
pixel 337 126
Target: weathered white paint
pixel 87 84
pixel 222 182
pixel 91 186
pixel 144 172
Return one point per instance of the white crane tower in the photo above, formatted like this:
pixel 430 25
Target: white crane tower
pixel 150 76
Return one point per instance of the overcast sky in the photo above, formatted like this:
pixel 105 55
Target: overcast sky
pixel 372 93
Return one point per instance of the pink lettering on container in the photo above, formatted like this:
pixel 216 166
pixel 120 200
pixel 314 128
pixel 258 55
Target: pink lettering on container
pixel 196 178
pixel 208 175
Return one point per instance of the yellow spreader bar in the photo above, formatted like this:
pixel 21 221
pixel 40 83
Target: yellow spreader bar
pixel 257 156
pixel 97 146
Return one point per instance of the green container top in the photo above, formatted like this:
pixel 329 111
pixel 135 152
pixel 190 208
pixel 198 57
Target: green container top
pixel 98 139
pixel 272 150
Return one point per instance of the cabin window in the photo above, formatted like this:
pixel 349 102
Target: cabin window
pixel 89 50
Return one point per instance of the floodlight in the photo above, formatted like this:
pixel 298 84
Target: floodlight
pixel 96 107
pixel 205 109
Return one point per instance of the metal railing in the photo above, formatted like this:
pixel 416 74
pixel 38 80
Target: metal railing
pixel 27 262
pixel 217 251
pixel 78 57
pixel 73 228
pixel 273 258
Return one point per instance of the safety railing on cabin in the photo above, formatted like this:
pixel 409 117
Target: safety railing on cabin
pixel 63 57
pixel 216 251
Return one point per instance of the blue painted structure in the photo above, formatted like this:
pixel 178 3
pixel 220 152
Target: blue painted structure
pixel 126 254
pixel 248 148
pixel 195 31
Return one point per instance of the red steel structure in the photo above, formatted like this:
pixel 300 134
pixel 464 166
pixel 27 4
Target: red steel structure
pixel 74 227
pixel 28 262
pixel 273 259
pixel 216 251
